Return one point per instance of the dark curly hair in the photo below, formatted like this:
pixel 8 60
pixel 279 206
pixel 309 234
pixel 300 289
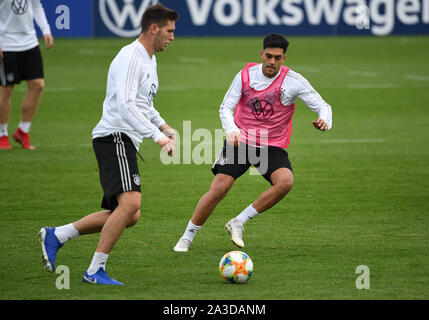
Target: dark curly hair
pixel 276 40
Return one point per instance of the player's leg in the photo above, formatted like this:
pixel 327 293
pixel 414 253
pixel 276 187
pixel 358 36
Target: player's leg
pixel 9 76
pixel 119 176
pixel 94 222
pixel 278 172
pixel 29 106
pixel 30 69
pixel 230 164
pixel 5 106
pixel 32 99
pixel 126 213
pixel 220 186
pixel 282 183
pixel 52 239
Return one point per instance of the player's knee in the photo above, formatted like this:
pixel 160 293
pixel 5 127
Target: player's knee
pixel 6 92
pixel 219 192
pixel 220 187
pixel 130 202
pixel 133 206
pixel 282 181
pixel 36 85
pixel 134 219
pixel 284 186
pixel 218 195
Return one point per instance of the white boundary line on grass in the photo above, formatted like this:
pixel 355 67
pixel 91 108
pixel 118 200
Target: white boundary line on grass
pixel 185 59
pixel 65 145
pixel 49 89
pixel 375 140
pixel 362 73
pixel 373 86
pixel 416 77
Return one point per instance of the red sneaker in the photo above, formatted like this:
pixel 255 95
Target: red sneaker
pixel 23 138
pixel 4 142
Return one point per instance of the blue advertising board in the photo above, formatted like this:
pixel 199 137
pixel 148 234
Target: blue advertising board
pixel 69 18
pixel 121 18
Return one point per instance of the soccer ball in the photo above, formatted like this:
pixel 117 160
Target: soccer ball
pixel 236 267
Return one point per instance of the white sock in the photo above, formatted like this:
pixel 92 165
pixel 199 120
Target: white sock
pixel 191 230
pixel 24 126
pixel 247 214
pixel 98 261
pixel 3 130
pixel 66 232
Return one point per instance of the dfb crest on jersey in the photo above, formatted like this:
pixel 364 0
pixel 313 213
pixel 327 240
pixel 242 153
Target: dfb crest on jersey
pixel 136 179
pixel 19 7
pixel 123 18
pixel 153 90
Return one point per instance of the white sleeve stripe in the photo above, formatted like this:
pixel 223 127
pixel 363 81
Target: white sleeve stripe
pixel 138 115
pixel 130 74
pixel 40 17
pixel 228 93
pixel 2 74
pixel 144 122
pixel 310 97
pixel 305 83
pixel 227 107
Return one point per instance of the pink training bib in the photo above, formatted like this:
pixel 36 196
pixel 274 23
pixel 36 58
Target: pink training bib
pixel 261 116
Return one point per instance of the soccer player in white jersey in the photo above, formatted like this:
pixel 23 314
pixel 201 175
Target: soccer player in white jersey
pixel 256 114
pixel 20 59
pixel 128 117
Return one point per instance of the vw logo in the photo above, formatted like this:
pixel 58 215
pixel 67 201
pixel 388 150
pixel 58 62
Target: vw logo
pixel 19 7
pixel 115 17
pixel 261 109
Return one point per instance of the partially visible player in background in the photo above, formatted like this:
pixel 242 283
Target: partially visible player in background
pixel 128 117
pixel 20 59
pixel 256 115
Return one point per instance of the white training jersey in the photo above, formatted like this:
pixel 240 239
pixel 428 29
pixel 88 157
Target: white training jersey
pixel 132 84
pixel 294 86
pixel 17 32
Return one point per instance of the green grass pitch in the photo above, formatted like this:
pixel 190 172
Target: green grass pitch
pixel 361 193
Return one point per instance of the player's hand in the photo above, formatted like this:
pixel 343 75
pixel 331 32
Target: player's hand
pixel 233 139
pixel 320 124
pixel 167 145
pixel 49 41
pixel 171 133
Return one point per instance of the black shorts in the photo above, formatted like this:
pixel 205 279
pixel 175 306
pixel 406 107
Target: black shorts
pixel 235 161
pixel 18 66
pixel 117 162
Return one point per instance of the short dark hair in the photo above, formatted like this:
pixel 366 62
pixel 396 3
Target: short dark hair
pixel 276 40
pixel 157 14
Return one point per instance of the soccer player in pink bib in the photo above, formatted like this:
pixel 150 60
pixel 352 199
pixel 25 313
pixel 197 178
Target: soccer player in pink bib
pixel 256 114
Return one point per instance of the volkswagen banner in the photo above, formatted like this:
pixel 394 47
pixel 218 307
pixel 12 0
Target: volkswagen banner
pixel 121 18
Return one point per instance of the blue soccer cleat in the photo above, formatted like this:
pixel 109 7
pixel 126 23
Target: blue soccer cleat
pixel 50 247
pixel 100 277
